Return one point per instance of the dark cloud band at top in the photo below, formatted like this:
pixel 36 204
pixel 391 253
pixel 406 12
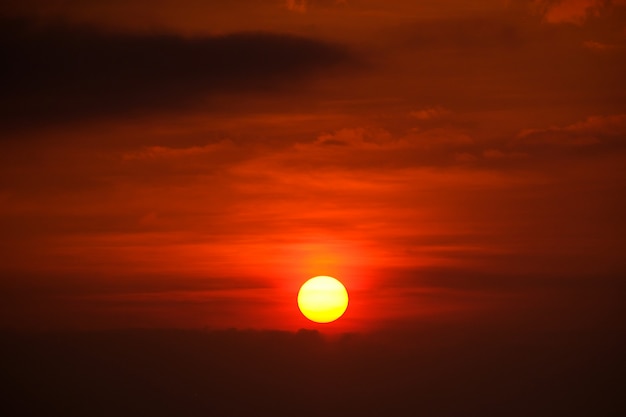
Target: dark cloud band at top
pixel 60 72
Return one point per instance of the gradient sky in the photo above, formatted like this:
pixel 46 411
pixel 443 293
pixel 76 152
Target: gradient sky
pixel 190 163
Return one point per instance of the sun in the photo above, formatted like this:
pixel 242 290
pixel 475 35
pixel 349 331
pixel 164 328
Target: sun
pixel 323 299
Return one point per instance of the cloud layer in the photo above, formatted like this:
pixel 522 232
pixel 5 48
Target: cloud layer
pixel 478 157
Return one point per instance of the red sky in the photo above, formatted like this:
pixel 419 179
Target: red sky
pixel 191 163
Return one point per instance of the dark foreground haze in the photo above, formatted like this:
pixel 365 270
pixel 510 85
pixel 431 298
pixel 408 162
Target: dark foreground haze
pixel 435 371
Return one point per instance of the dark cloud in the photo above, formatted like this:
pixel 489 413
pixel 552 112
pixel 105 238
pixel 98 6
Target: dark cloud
pixel 60 72
pixel 436 371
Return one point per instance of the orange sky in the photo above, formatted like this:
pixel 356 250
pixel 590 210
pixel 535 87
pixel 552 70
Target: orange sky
pixel 192 163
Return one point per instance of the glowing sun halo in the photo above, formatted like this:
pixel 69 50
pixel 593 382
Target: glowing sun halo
pixel 322 299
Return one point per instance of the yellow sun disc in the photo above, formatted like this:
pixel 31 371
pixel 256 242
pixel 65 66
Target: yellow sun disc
pixel 322 299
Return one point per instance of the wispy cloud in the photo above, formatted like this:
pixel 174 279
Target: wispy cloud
pixel 594 130
pixel 165 152
pixel 430 113
pixel 601 46
pixel 570 11
pixel 299 6
pixel 575 11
